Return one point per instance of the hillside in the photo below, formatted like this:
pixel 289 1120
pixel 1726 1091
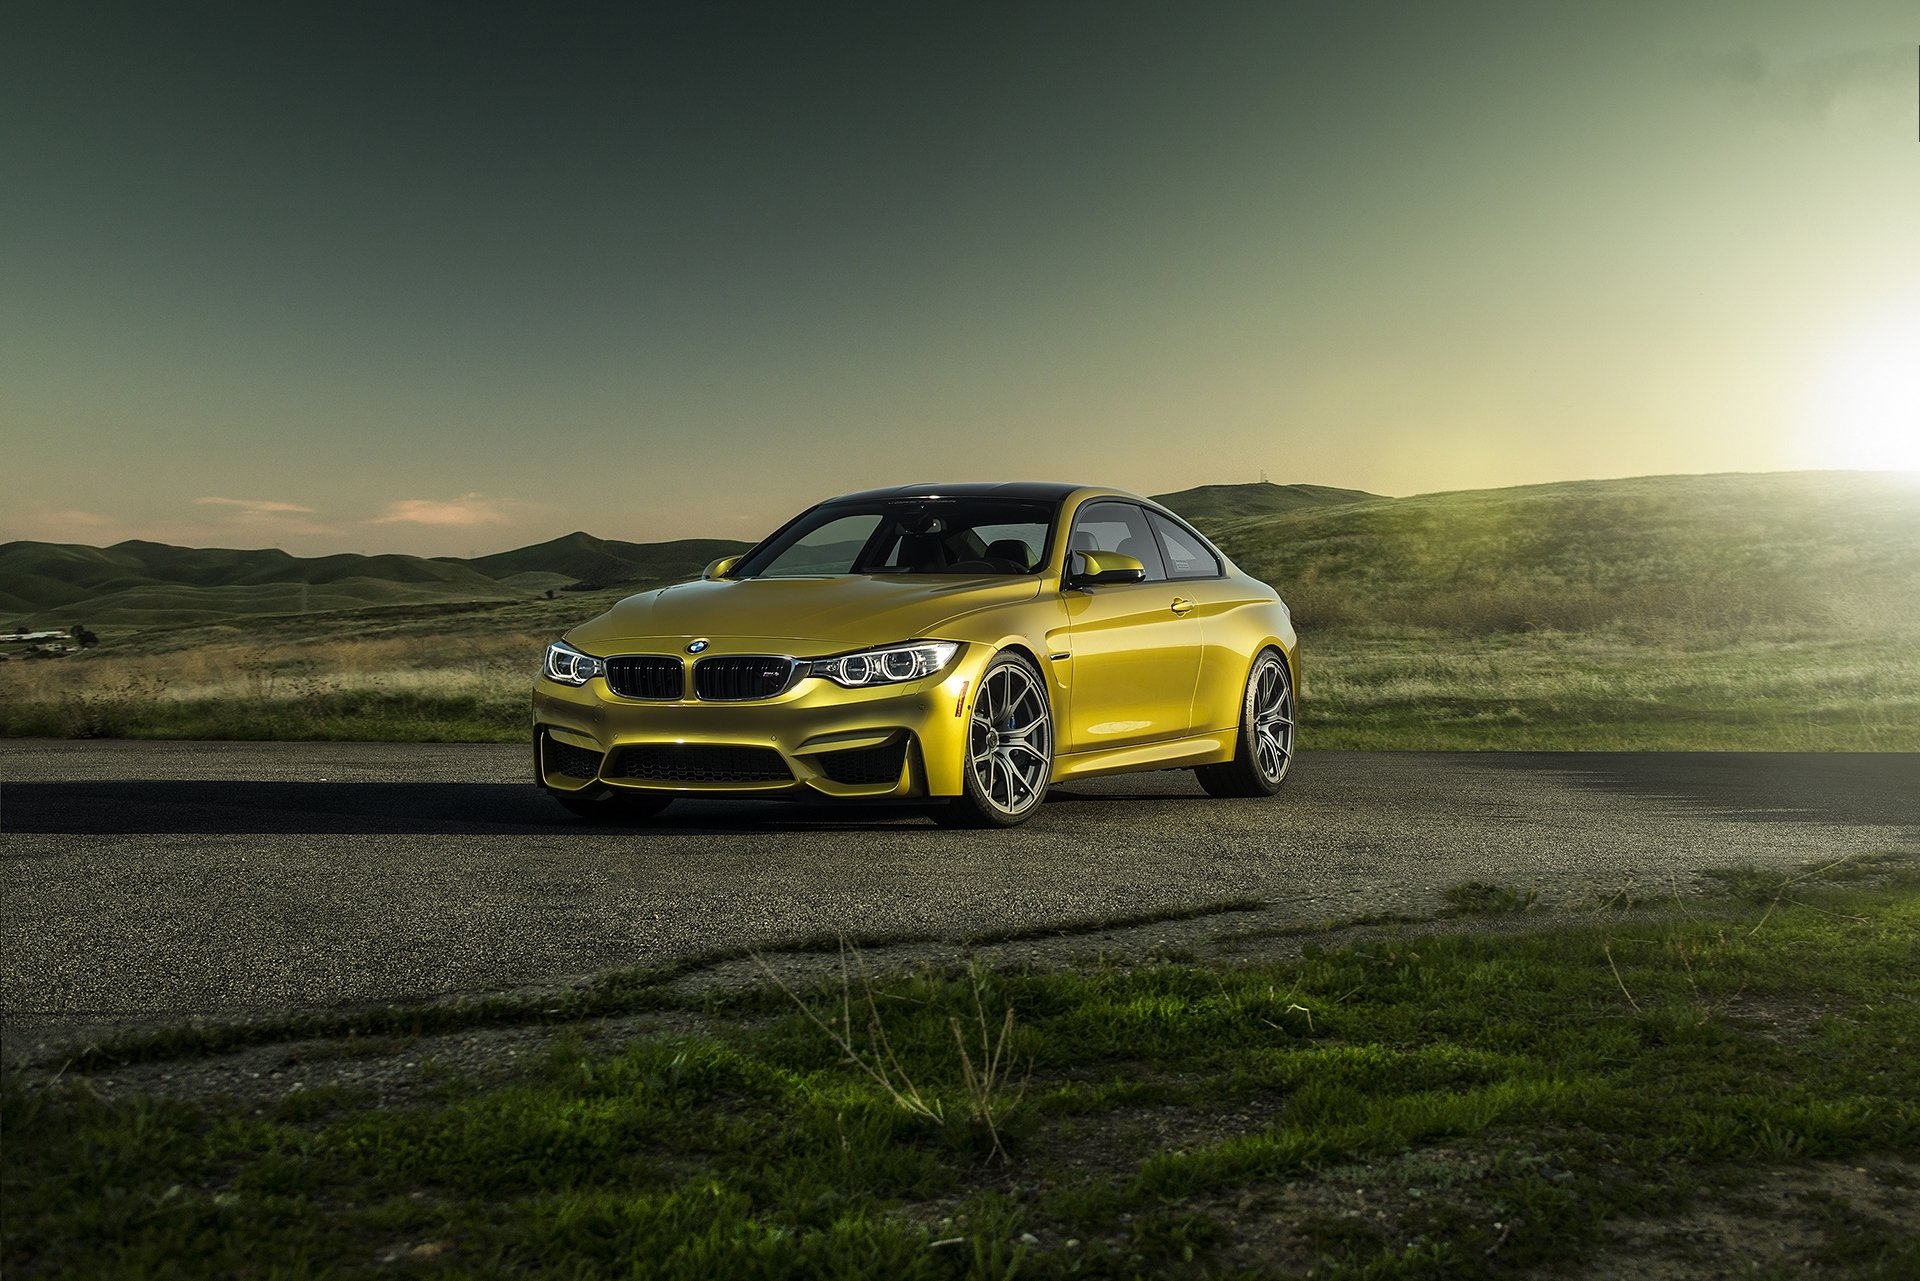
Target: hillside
pixel 581 557
pixel 1827 548
pixel 144 584
pixel 1834 548
pixel 152 584
pixel 1213 505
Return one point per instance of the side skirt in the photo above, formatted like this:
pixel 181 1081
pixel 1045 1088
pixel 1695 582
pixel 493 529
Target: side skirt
pixel 1171 753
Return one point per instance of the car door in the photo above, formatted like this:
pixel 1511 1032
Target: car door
pixel 1135 652
pixel 1198 576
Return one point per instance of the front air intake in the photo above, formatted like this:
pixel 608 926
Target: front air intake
pixel 570 761
pixel 865 765
pixel 699 763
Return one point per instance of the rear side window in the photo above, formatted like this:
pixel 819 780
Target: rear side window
pixel 1118 527
pixel 1187 556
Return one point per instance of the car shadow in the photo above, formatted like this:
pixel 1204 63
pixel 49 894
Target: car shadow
pixel 161 807
pixel 152 806
pixel 1064 796
pixel 1845 788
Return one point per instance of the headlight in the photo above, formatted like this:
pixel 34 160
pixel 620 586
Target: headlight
pixel 570 667
pixel 887 665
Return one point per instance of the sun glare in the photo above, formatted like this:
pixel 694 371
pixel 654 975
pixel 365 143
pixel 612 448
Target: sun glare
pixel 1864 406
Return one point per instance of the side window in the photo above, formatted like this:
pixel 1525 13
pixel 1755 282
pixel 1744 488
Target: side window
pixel 1118 527
pixel 1187 556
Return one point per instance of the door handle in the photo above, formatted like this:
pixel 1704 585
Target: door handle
pixel 1181 605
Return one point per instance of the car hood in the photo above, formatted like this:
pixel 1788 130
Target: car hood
pixel 819 615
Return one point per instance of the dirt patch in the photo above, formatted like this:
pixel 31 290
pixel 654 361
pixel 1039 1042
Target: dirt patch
pixel 1809 1220
pixel 1780 1019
pixel 382 1070
pixel 1360 1209
pixel 1282 1228
pixel 1102 1149
pixel 1822 1219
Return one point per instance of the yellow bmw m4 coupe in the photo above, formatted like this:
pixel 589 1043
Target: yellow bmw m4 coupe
pixel 961 645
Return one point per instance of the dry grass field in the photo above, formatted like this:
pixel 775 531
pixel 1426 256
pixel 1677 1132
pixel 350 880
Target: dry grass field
pixel 458 687
pixel 1374 687
pixel 1775 612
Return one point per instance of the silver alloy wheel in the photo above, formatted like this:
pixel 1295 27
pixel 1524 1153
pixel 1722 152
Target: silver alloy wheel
pixel 1272 718
pixel 1010 740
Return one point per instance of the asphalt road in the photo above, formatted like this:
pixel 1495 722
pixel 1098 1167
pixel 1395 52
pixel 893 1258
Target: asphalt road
pixel 146 879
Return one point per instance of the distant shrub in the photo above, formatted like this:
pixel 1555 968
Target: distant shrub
pixel 1323 607
pixel 110 710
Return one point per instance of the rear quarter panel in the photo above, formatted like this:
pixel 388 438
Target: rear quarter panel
pixel 1241 617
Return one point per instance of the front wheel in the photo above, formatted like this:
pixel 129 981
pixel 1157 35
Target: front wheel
pixel 1009 749
pixel 602 804
pixel 1265 752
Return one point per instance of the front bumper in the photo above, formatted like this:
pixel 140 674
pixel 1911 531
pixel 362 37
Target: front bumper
pixel 815 738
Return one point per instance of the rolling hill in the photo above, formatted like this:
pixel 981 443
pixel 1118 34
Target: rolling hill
pixel 580 557
pixel 154 584
pixel 1213 505
pixel 1834 548
pixel 1734 549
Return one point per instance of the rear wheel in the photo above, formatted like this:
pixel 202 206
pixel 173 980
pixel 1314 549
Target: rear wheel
pixel 1009 749
pixel 602 804
pixel 1265 753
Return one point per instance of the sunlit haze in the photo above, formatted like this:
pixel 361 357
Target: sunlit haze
pixel 443 279
pixel 1864 410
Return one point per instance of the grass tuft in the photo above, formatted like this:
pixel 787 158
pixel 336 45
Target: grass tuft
pixel 1482 898
pixel 985 1068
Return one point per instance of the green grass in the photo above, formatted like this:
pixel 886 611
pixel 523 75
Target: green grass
pixel 1619 689
pixel 1499 1103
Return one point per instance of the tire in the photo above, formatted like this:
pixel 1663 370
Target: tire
pixel 602 804
pixel 1009 757
pixel 1266 742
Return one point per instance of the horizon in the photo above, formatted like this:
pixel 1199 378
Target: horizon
pixel 1909 476
pixel 384 279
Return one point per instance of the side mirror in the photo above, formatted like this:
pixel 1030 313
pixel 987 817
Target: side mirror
pixel 1092 569
pixel 721 568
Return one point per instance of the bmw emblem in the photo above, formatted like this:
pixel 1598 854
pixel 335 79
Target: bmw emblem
pixel 696 647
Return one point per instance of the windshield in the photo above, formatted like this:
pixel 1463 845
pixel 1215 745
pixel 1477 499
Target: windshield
pixel 907 536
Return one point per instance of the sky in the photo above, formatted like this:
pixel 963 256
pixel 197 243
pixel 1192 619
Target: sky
pixel 448 279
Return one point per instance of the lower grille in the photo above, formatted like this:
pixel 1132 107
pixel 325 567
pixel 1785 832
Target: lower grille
pixel 698 763
pixel 732 679
pixel 574 762
pixel 865 764
pixel 646 676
